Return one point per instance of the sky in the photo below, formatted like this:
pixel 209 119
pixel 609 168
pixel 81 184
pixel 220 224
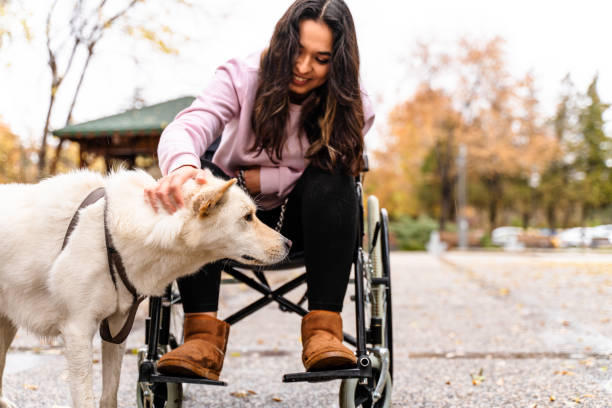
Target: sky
pixel 548 38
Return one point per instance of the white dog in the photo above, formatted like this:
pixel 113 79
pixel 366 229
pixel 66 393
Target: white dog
pixel 55 292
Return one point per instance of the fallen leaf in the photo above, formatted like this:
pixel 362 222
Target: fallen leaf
pixel 448 383
pixel 477 379
pixel 576 400
pixel 552 398
pixel 604 368
pixel 565 323
pixel 239 394
pixel 235 354
pixel 565 372
pixel 504 291
pixel 276 399
pixel 96 360
pixel 588 396
pixel 30 387
pixel 251 392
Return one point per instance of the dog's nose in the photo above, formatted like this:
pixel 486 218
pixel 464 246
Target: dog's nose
pixel 288 244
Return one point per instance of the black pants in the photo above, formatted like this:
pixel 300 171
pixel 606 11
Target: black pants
pixel 321 219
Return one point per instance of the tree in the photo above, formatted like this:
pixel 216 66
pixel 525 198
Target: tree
pixel 468 98
pixel 594 154
pixel 558 191
pixel 12 22
pixel 504 133
pixel 80 31
pixel 15 165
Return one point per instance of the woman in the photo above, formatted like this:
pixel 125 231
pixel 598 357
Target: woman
pixel 293 120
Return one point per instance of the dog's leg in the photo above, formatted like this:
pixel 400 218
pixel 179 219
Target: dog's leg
pixel 112 356
pixel 78 337
pixel 7 334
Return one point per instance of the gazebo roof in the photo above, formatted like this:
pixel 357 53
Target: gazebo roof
pixel 149 120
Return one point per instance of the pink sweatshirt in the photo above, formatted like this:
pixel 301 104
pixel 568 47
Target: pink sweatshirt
pixel 225 107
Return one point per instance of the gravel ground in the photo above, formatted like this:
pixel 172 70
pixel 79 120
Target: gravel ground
pixel 471 330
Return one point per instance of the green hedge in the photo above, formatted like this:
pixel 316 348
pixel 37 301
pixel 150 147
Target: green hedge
pixel 412 234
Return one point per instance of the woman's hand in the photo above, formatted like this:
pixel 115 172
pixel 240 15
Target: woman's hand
pixel 168 189
pixel 251 179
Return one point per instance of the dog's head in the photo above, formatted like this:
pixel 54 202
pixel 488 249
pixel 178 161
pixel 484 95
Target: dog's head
pixel 222 220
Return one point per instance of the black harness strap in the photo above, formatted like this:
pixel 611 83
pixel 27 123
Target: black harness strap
pixel 114 264
pixel 94 196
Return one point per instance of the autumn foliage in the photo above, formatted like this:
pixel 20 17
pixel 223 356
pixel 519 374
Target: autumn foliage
pixel 469 98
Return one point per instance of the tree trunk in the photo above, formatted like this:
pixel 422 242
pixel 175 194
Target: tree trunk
pixel 551 217
pixel 43 141
pixel 494 194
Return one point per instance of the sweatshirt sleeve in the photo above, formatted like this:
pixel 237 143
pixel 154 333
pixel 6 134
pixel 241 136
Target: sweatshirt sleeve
pixel 188 136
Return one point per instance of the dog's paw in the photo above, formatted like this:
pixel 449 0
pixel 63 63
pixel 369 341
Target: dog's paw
pixel 4 403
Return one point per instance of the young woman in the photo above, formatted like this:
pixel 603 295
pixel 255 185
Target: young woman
pixel 292 120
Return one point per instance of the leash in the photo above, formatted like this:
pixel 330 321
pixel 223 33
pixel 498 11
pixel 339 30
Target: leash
pixel 115 266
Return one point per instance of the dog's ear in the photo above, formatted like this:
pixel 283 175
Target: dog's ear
pixel 210 197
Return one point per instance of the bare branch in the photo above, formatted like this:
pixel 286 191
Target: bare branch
pixel 78 88
pixel 99 29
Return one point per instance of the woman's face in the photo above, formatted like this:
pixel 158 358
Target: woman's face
pixel 313 61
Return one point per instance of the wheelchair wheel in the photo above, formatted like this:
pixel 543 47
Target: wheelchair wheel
pixel 164 395
pixel 158 395
pixel 355 395
pixel 376 392
pixel 177 317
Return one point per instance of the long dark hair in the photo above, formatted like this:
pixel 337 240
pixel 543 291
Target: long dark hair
pixel 332 114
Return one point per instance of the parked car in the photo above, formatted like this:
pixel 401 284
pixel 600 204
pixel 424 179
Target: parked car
pixel 598 236
pixel 574 237
pixel 505 235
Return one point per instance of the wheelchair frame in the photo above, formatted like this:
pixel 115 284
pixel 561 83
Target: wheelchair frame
pixel 158 337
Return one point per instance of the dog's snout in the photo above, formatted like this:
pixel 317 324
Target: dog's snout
pixel 287 243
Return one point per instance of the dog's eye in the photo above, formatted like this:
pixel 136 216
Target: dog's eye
pixel 249 217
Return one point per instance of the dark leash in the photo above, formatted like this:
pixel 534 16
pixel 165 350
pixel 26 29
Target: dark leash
pixel 115 266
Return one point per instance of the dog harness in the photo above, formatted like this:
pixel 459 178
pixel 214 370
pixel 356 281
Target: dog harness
pixel 115 265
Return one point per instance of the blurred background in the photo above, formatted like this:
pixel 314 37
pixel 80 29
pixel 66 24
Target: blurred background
pixel 492 120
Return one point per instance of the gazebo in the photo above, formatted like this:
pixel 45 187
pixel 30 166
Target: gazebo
pixel 123 136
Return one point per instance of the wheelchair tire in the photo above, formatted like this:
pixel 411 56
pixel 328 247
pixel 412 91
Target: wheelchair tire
pixel 177 317
pixel 386 264
pixel 352 393
pixel 381 263
pixel 355 395
pixel 159 395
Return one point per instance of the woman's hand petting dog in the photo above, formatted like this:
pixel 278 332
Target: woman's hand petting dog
pixel 168 190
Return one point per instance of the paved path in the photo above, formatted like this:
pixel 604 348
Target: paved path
pixel 471 330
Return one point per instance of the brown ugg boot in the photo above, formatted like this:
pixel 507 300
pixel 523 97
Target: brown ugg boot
pixel 203 351
pixel 322 347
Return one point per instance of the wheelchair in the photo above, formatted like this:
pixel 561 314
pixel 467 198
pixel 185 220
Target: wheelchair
pixel 366 385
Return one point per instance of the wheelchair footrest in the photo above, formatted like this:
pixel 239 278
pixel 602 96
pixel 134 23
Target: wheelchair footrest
pixel 320 376
pixel 188 380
